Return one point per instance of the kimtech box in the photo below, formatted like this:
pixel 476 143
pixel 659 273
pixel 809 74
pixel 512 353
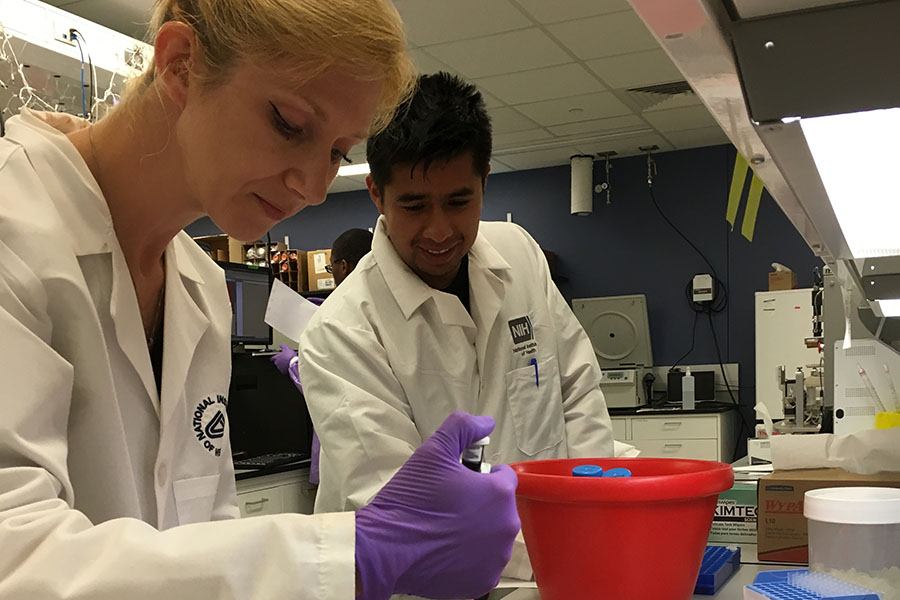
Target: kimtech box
pixel 735 519
pixel 781 526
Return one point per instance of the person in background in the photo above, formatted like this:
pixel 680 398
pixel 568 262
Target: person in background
pixel 446 313
pixel 346 253
pixel 115 468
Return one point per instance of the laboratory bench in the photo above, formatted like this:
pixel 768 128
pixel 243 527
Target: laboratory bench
pixel 272 490
pixel 732 590
pixel 708 432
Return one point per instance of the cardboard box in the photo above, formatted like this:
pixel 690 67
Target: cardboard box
pixel 782 280
pixel 781 526
pixel 319 278
pixel 223 248
pixel 735 519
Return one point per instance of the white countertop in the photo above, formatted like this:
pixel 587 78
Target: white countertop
pixel 732 590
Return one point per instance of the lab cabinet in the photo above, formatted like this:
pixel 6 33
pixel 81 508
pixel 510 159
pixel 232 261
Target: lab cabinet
pixel 287 492
pixel 709 436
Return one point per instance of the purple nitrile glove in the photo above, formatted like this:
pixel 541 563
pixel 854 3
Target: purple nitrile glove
pixel 283 359
pixel 438 529
pixel 314 459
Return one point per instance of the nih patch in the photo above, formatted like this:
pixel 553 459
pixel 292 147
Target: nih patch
pixel 521 330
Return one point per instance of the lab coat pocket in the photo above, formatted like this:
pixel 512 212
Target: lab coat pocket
pixel 535 402
pixel 195 498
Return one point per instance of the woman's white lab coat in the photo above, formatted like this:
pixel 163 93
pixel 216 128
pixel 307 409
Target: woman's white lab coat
pixel 386 359
pixel 106 489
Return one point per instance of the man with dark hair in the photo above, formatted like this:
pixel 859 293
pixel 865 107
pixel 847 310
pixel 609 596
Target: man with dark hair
pixel 347 250
pixel 446 313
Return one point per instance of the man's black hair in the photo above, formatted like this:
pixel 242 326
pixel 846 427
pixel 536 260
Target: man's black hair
pixel 351 246
pixel 443 120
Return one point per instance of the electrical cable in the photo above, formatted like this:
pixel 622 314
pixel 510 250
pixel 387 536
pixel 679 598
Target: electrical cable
pixel 78 37
pixel 83 99
pixel 709 309
pixel 693 339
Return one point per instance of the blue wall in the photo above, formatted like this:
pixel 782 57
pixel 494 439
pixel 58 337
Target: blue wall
pixel 626 247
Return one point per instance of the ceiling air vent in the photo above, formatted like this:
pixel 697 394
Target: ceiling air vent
pixel 651 95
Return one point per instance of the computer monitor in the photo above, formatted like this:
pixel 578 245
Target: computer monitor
pixel 248 290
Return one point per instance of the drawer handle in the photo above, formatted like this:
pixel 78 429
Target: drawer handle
pixel 255 502
pixel 673 446
pixel 672 424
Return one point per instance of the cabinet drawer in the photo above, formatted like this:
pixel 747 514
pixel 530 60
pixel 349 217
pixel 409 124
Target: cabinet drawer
pixel 620 428
pixel 673 426
pixel 699 449
pixel 267 501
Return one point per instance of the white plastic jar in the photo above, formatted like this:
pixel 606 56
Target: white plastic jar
pixel 854 533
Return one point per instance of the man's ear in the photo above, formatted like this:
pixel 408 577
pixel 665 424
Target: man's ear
pixel 175 54
pixel 375 194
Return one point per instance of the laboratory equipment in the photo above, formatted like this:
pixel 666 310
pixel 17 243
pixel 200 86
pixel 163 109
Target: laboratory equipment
pixel 473 456
pixel 784 319
pixel 865 375
pixel 588 537
pixel 248 290
pixel 854 533
pixel 719 564
pixel 45 52
pixel 687 391
pixel 801 584
pixel 619 331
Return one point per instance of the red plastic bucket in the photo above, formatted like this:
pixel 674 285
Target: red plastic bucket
pixel 637 538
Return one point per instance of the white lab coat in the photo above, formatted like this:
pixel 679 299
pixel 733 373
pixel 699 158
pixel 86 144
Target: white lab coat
pixel 387 358
pixel 106 489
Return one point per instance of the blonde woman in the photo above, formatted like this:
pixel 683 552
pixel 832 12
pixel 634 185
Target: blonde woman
pixel 115 471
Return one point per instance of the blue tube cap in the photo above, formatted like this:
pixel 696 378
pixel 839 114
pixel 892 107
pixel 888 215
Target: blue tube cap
pixel 587 471
pixel 618 472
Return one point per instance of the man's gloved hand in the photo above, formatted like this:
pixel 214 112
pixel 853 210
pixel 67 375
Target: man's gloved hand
pixel 282 360
pixel 438 529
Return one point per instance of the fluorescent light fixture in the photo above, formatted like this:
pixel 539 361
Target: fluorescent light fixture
pixel 856 156
pixel 889 308
pixel 347 170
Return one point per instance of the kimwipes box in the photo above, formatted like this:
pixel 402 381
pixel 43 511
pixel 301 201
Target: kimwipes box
pixel 781 526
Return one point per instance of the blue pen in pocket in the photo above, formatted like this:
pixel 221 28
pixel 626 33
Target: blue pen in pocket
pixel 537 380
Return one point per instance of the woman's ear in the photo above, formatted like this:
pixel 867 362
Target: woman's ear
pixel 174 54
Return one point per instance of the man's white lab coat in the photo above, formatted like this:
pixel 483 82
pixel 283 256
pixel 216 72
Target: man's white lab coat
pixel 106 489
pixel 387 358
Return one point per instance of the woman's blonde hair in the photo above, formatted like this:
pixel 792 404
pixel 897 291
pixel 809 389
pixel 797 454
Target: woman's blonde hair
pixel 302 37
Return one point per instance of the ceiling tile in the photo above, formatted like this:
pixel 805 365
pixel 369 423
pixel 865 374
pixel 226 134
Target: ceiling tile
pixel 502 53
pixel 430 22
pixel 519 138
pixel 425 63
pixel 540 158
pixel 499 167
pixel 345 184
pixel 635 70
pixel 679 101
pixel 695 138
pixel 679 119
pixel 606 35
pixel 599 125
pixel 628 145
pixel 542 84
pixel 509 120
pixel 490 101
pixel 555 12
pixel 575 108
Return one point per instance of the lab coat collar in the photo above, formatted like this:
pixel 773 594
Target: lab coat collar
pixel 410 292
pixel 82 207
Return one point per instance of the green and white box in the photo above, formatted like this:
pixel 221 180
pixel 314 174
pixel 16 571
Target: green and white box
pixel 735 519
